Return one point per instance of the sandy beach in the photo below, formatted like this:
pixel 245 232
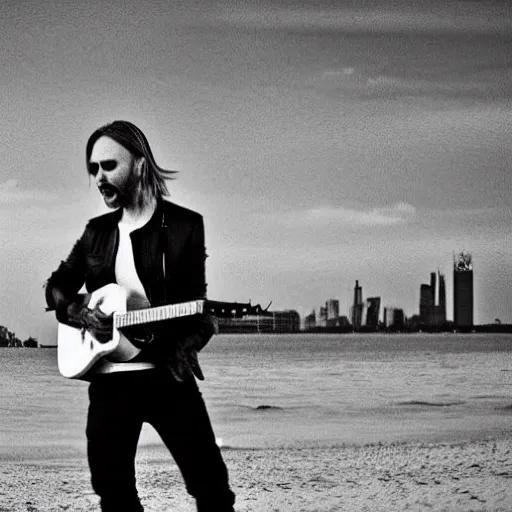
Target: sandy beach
pixel 465 476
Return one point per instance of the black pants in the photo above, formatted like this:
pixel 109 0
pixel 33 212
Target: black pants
pixel 119 404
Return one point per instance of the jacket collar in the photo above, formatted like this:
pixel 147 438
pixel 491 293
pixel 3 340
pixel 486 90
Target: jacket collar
pixel 157 219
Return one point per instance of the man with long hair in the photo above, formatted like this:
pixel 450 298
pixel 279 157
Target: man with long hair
pixel 155 250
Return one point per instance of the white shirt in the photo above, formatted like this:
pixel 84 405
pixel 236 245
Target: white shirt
pixel 127 277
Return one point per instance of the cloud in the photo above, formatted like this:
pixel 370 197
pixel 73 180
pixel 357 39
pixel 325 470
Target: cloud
pixel 471 83
pixel 327 215
pixel 447 17
pixel 8 185
pixel 338 72
pixel 12 194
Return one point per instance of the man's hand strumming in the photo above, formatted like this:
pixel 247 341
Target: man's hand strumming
pixel 98 324
pixel 94 321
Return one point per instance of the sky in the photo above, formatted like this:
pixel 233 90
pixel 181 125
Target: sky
pixel 322 141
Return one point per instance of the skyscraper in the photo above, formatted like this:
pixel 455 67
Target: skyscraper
pixel 333 309
pixel 442 299
pixel 426 304
pixel 433 301
pixel 372 312
pixel 333 312
pixel 433 287
pixel 357 307
pixel 394 318
pixel 463 290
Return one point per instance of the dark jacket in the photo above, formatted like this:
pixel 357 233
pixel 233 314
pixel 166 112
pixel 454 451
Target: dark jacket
pixel 174 235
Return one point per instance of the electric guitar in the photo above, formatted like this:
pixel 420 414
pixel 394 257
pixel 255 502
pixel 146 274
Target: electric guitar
pixel 78 350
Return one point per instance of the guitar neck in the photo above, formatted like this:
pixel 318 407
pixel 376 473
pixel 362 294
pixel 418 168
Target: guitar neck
pixel 158 314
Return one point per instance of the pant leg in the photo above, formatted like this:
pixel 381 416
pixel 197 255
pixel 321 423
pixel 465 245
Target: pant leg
pixel 178 413
pixel 113 428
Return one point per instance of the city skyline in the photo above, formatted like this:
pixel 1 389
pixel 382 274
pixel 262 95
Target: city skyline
pixel 369 316
pixel 322 141
pixel 432 310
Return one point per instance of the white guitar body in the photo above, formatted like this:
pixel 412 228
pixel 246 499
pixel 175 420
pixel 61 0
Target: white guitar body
pixel 78 351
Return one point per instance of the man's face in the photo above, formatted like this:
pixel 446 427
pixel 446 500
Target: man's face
pixel 115 172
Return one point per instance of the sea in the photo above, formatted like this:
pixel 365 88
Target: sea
pixel 291 391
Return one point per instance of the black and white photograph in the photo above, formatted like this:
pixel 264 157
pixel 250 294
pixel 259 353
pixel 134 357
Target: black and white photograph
pixel 256 256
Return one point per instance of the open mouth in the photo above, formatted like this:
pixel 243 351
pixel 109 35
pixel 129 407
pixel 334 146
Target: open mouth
pixel 108 191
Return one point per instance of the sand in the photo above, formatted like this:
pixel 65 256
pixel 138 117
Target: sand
pixel 464 476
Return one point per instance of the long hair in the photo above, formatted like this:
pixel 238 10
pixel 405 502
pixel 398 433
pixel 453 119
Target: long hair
pixel 131 137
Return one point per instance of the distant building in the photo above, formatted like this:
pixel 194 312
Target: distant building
pixel 249 324
pixel 413 322
pixel 388 316
pixel 433 301
pixel 442 299
pixel 333 312
pixel 333 309
pixel 344 322
pixel 223 309
pixel 234 317
pixel 433 287
pixel 398 319
pixel 426 304
pixel 325 321
pixel 285 321
pixel 310 321
pixel 322 317
pixel 394 318
pixel 463 290
pixel 372 312
pixel 268 323
pixel 357 307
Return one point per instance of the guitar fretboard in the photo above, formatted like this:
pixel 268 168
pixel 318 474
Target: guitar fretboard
pixel 144 316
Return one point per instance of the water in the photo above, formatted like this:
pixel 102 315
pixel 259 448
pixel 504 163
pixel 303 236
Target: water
pixel 292 390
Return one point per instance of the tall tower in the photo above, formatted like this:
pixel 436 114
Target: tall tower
pixel 433 287
pixel 442 298
pixel 357 308
pixel 463 290
pixel 426 304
